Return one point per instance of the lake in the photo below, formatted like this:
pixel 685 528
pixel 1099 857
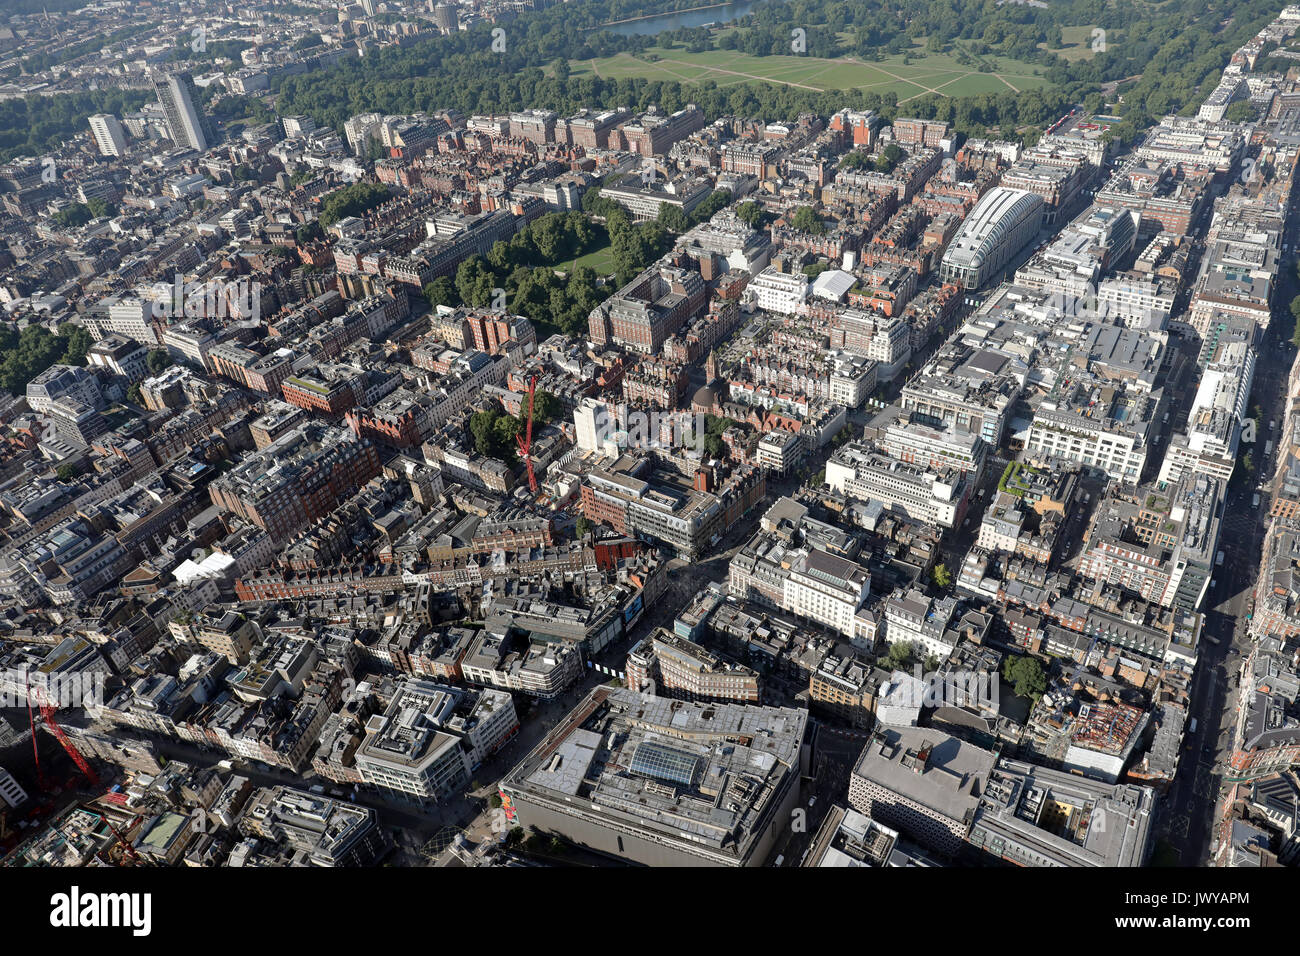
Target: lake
pixel 684 18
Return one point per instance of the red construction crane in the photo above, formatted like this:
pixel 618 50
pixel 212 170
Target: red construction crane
pixel 31 720
pixel 47 714
pixel 130 850
pixel 526 442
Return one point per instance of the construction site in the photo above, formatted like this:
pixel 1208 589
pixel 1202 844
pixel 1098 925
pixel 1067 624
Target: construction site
pixel 68 813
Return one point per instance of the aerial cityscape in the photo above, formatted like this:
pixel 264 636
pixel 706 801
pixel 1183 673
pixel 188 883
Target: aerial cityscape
pixel 649 433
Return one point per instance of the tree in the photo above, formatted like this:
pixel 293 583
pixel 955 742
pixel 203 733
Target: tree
pixel 899 655
pixel 67 472
pixel 750 213
pixel 855 160
pixel 133 394
pixel 716 425
pixel 805 219
pixel 1240 112
pixel 888 158
pixel 716 200
pixel 78 343
pixel 673 219
pixel 480 428
pixel 25 355
pixel 100 208
pixel 546 407
pixel 475 282
pixel 941 576
pixel 77 214
pixel 582 527
pixel 1025 675
pixel 158 361
pixel 441 291
pixel 308 233
pixel 354 200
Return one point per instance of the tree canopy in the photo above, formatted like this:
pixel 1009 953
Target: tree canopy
pixel 805 219
pixel 353 200
pixel 1025 675
pixel 25 355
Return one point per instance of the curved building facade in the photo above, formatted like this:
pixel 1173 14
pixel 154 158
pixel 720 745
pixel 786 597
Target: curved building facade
pixel 999 226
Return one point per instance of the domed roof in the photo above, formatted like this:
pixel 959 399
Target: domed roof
pixel 706 396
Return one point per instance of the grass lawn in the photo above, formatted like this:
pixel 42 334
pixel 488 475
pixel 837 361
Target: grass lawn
pixel 926 73
pixel 1078 43
pixel 602 260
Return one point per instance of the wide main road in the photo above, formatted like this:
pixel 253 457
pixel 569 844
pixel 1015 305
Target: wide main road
pixel 1191 811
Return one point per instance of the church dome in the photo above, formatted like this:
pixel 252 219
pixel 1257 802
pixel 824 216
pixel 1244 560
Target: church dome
pixel 705 397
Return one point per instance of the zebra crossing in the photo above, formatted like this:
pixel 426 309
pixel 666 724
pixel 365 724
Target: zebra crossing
pixel 601 668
